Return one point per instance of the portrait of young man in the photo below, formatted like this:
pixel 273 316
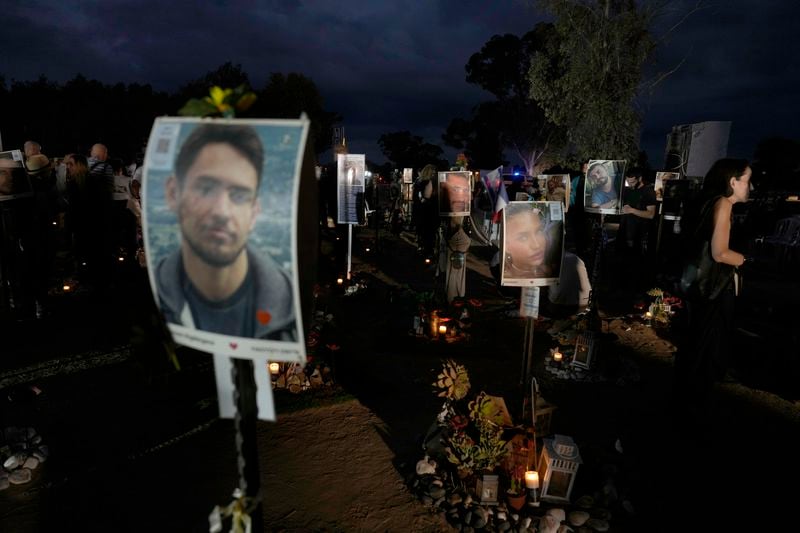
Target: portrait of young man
pixel 604 186
pixel 455 193
pixel 221 249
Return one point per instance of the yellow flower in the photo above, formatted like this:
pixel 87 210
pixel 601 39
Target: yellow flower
pixel 218 97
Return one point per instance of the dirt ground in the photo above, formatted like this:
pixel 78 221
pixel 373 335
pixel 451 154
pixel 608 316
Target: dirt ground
pixel 342 467
pixel 132 454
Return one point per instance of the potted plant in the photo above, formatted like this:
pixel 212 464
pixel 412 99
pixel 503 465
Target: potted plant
pixel 515 493
pixel 471 432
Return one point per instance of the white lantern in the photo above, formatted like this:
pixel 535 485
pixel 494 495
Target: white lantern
pixel 558 466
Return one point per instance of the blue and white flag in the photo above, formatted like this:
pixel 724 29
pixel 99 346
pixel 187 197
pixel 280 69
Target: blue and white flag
pixel 493 182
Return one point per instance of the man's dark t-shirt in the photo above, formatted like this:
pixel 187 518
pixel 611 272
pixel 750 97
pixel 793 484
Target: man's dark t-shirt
pixel 232 316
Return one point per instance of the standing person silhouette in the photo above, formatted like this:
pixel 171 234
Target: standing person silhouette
pixel 703 355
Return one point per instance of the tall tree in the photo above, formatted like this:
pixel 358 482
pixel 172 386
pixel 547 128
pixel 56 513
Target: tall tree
pixel 478 137
pixel 405 150
pixel 588 73
pixel 226 75
pixel 514 120
pixel 287 96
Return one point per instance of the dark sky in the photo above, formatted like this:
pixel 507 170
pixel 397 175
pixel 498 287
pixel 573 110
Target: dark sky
pixel 388 66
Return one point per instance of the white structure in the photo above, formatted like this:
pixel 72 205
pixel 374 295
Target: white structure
pixel 693 148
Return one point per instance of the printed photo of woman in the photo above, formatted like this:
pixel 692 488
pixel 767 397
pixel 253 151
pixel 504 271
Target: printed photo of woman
pixel 533 243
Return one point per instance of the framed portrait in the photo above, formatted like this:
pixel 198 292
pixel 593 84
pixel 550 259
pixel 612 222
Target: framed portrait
pixel 486 487
pixel 219 205
pixel 408 175
pixel 455 193
pixel 350 176
pixel 556 188
pixel 662 177
pixel 14 181
pixel 603 186
pixel 532 244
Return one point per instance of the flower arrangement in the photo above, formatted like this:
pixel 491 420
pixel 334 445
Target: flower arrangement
pixel 461 162
pixel 661 307
pixel 473 440
pixel 220 102
pixel 516 480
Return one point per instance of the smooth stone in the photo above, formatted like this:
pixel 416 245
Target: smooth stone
pixel 503 526
pixel 455 499
pixel 39 456
pixel 578 518
pixel 20 476
pixel 31 462
pixel 525 523
pixel 437 492
pixel 478 523
pixel 30 433
pixel 37 440
pixel 585 501
pixel 480 512
pixel 44 450
pixel 501 515
pixel 597 524
pixel 14 461
pixel 557 513
pixel 4 483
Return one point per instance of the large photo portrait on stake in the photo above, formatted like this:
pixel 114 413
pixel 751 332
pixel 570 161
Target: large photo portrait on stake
pixel 603 189
pixel 455 193
pixel 350 176
pixel 533 243
pixel 219 215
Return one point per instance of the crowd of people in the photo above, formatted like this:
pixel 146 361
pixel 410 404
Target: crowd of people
pixel 86 205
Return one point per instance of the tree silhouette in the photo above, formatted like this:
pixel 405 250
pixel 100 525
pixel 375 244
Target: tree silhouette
pixel 405 150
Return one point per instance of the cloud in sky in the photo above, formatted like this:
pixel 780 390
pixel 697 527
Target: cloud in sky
pixel 389 66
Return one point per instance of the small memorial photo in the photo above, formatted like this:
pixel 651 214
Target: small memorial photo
pixel 660 184
pixel 533 243
pixel 219 219
pixel 455 193
pixel 603 189
pixel 14 181
pixel 350 176
pixel 556 188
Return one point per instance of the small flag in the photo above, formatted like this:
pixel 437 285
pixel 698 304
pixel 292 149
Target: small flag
pixel 493 181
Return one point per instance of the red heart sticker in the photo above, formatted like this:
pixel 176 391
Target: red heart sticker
pixel 263 317
pixel 234 345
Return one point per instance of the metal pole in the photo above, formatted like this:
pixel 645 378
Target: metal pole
pixel 246 439
pixel 349 248
pixel 527 366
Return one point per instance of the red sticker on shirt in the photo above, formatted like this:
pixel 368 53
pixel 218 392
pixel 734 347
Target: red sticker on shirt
pixel 263 317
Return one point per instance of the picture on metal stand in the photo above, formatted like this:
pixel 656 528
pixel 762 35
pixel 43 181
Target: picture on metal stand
pixel 219 219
